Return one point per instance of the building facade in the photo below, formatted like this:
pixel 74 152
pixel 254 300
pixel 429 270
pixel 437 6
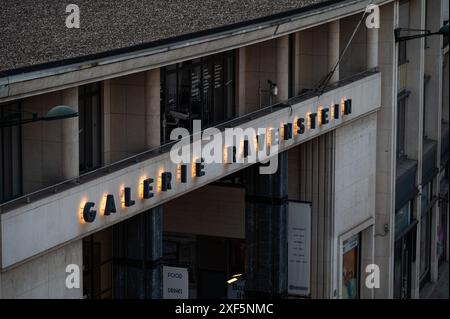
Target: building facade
pixel 94 206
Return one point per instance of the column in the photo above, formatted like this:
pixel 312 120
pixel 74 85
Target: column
pixel 283 68
pixel 265 231
pixel 152 108
pixel 333 48
pixel 414 119
pixel 69 140
pixel 242 71
pixel 137 253
pixel 386 152
pixel 372 48
pixel 433 110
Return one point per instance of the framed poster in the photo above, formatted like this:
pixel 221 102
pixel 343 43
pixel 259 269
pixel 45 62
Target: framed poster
pixel 350 267
pixel 299 248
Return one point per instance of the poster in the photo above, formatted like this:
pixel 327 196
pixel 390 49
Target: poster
pixel 350 262
pixel 175 283
pixel 299 248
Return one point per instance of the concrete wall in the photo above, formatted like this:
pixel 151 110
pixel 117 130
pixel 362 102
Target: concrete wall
pixel 44 277
pixel 211 211
pixel 127 116
pixel 45 145
pixel 354 191
pixel 445 86
pixel 56 219
pixel 311 167
pixel 386 150
pixel 311 57
pixel 263 61
pixel 355 165
pixel 354 60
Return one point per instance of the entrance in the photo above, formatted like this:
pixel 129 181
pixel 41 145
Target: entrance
pixel 404 258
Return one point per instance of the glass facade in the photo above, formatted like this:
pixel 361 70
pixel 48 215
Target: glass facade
pixel 201 89
pixel 89 127
pixel 10 152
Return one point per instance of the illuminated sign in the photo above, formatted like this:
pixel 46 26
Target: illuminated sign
pixel 310 121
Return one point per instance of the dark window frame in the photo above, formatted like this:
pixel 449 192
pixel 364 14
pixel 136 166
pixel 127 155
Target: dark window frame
pixel 92 270
pixel 217 95
pixel 3 196
pixel 401 125
pixel 85 95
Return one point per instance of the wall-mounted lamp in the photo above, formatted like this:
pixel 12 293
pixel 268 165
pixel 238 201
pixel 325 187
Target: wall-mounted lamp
pixel 246 149
pixel 337 111
pixel 166 181
pixel 110 205
pixel 59 112
pixel 287 131
pixel 183 169
pixel 148 188
pixel 88 212
pixel 348 107
pixel 127 194
pixel 199 168
pixel 231 154
pixel 421 33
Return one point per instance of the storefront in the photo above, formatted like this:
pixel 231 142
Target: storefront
pixel 404 251
pixel 211 262
pixel 442 231
pixel 425 232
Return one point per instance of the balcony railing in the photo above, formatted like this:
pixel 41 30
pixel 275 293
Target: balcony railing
pixel 151 153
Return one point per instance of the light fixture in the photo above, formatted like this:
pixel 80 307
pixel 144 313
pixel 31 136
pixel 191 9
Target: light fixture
pixel 273 88
pixel 235 278
pixel 421 33
pixel 127 194
pixel 59 112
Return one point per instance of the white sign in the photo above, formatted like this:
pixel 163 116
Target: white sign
pixel 236 290
pixel 299 248
pixel 175 283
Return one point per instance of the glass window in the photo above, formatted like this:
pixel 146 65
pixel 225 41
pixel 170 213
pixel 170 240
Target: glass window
pixel 89 127
pixel 97 265
pixel 201 89
pixel 401 127
pixel 10 152
pixel 350 268
pixel 402 218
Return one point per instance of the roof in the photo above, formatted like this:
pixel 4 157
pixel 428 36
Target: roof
pixel 34 33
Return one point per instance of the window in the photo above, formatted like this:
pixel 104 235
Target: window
pixel 10 152
pixel 351 267
pixel 401 127
pixel 201 89
pixel 89 127
pixel 403 218
pixel 403 23
pixel 425 232
pixel 97 265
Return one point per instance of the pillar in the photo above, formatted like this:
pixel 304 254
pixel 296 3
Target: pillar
pixel 433 110
pixel 69 138
pixel 152 108
pixel 242 71
pixel 386 152
pixel 265 231
pixel 137 253
pixel 372 48
pixel 333 48
pixel 414 119
pixel 283 68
